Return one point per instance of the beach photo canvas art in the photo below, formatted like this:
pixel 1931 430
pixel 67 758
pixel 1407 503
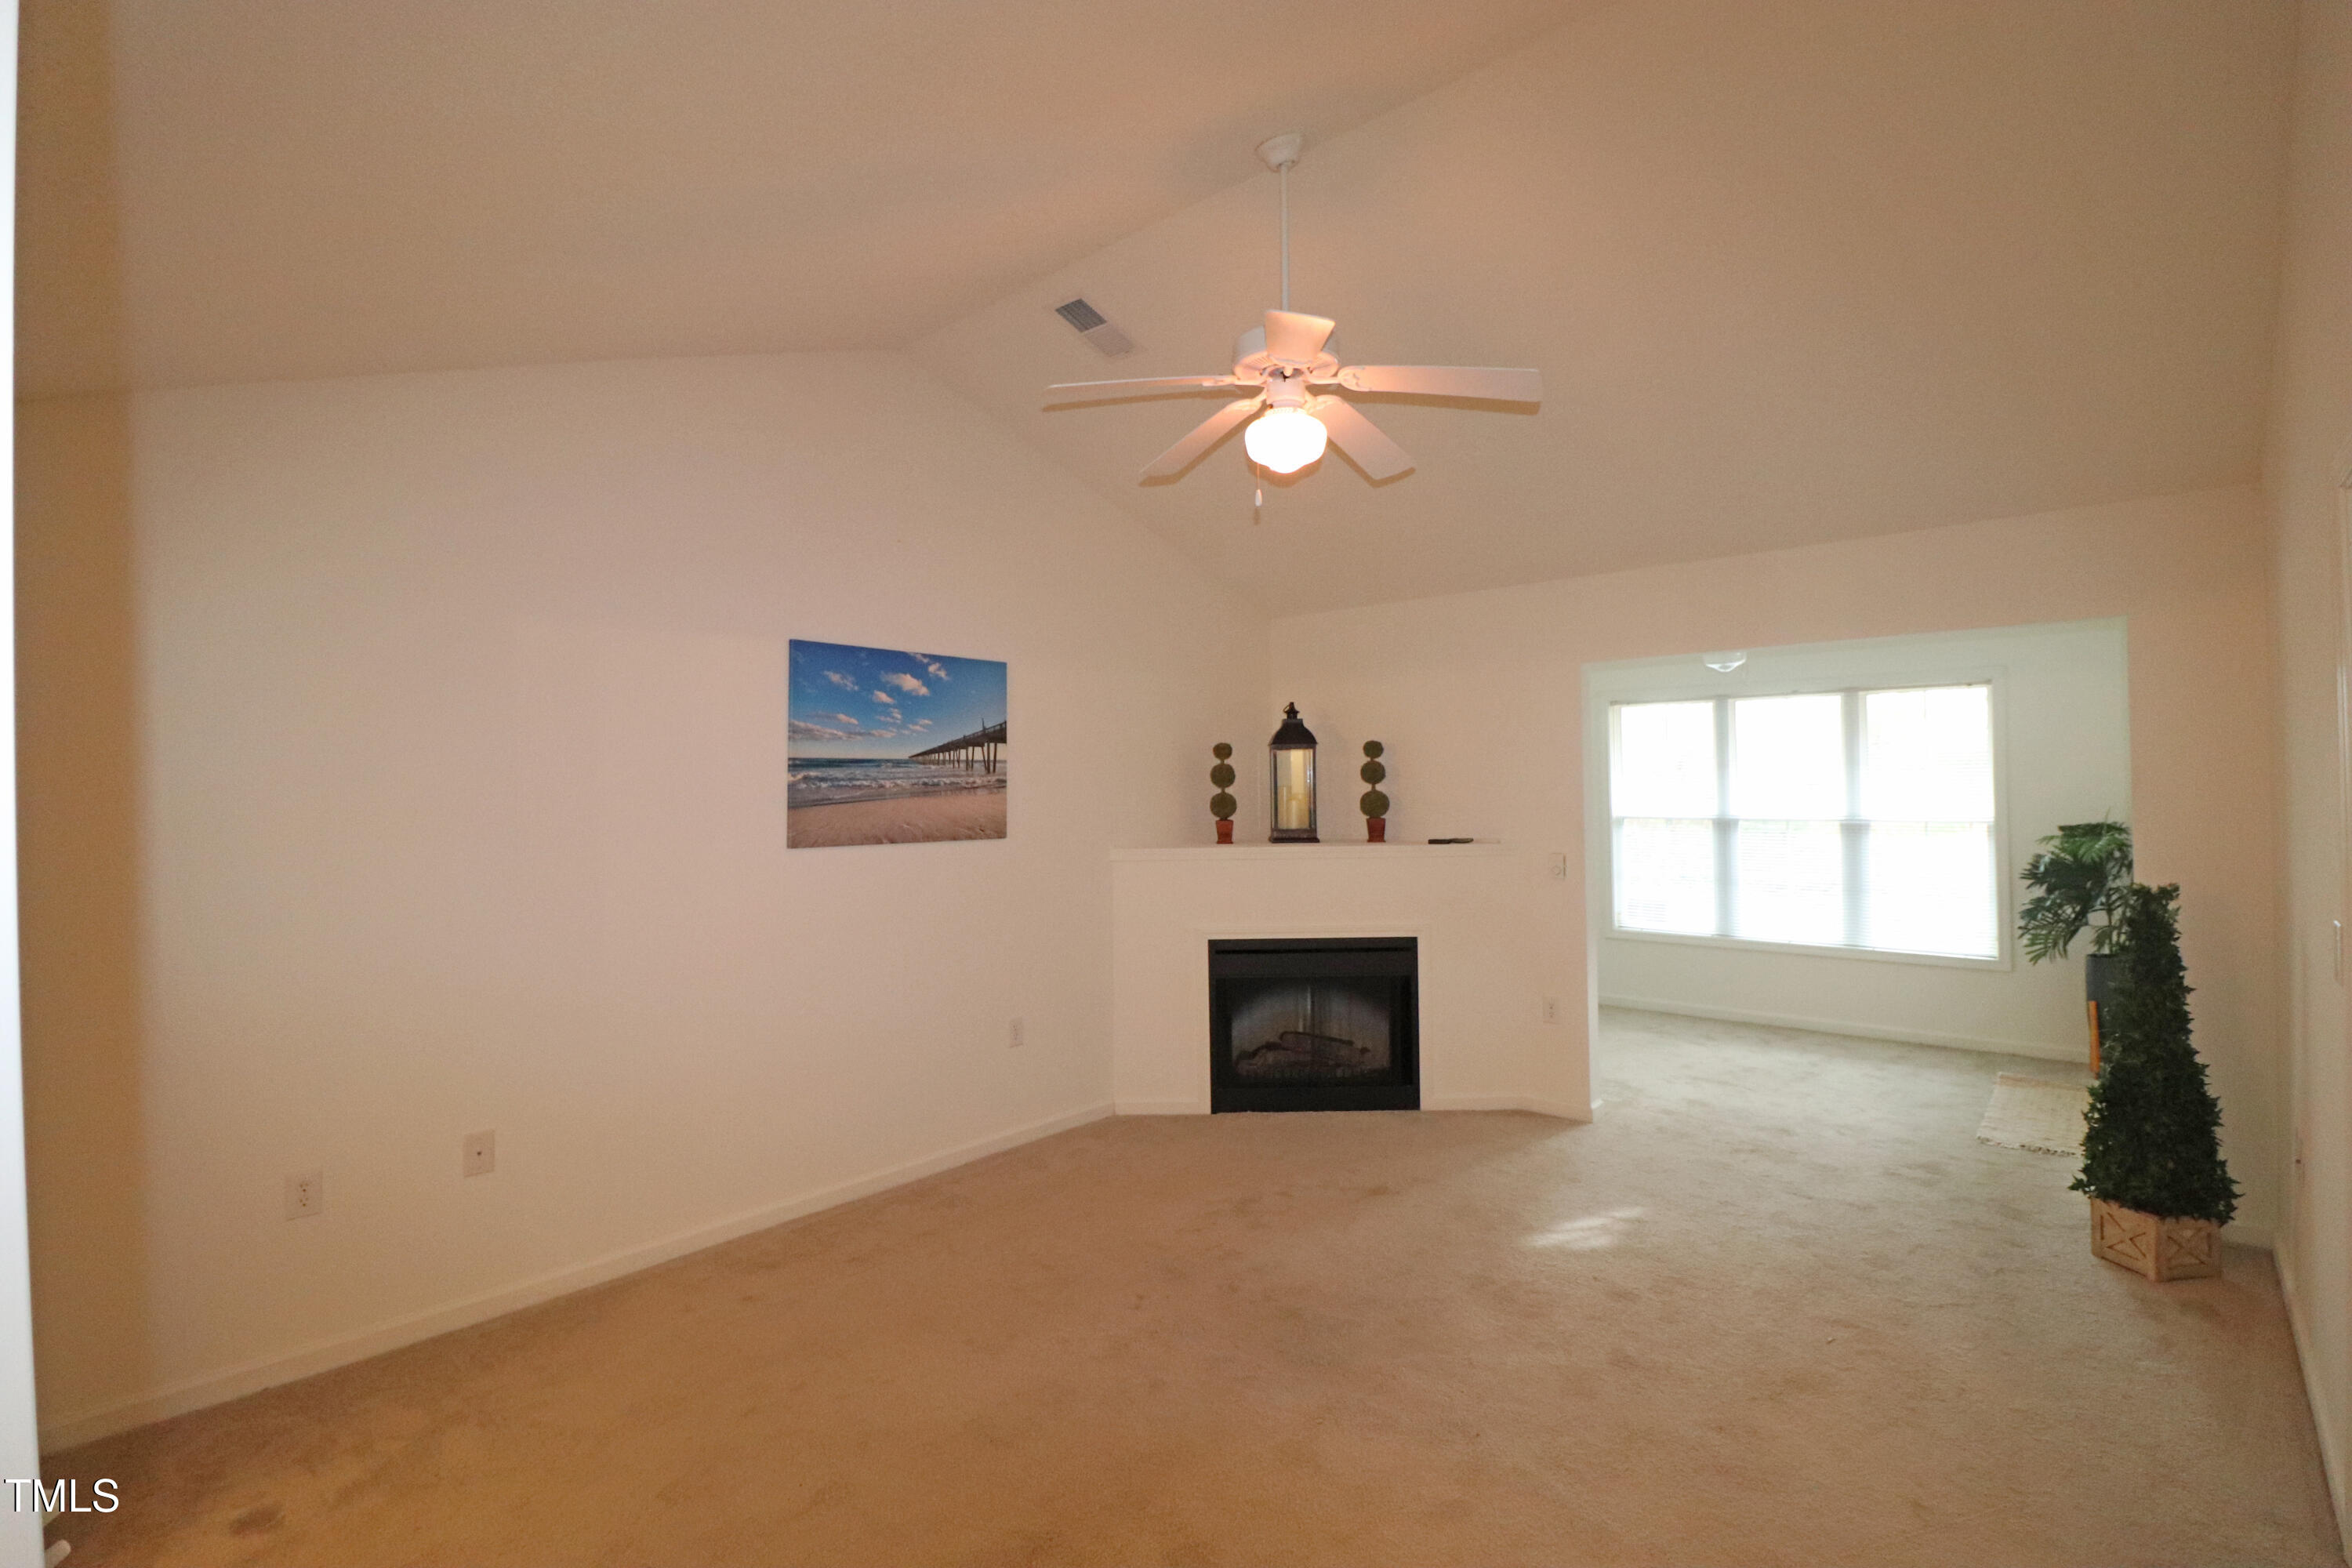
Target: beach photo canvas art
pixel 889 747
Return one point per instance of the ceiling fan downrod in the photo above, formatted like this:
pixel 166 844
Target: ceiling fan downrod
pixel 1279 153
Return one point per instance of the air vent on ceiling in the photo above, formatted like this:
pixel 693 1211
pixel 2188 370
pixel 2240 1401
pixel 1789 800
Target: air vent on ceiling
pixel 1091 325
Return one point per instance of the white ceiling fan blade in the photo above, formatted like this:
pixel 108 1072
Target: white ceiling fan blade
pixel 1293 338
pixel 1170 382
pixel 1205 435
pixel 1379 457
pixel 1446 381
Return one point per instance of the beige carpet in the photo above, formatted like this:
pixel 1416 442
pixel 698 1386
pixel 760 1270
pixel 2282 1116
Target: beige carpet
pixel 1778 1306
pixel 2034 1114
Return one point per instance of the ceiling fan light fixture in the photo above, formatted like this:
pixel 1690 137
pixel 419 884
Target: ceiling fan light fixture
pixel 1284 440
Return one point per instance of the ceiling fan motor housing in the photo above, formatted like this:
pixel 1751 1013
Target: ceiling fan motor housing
pixel 1251 360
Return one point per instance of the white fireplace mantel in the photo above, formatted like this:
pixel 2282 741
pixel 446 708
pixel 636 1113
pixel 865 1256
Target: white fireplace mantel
pixel 1495 937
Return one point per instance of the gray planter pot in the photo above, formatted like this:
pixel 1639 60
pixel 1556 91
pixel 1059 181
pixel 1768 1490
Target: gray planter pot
pixel 2099 979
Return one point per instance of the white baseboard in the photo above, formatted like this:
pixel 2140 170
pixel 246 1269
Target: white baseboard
pixel 2050 1053
pixel 2331 1441
pixel 1558 1108
pixel 251 1377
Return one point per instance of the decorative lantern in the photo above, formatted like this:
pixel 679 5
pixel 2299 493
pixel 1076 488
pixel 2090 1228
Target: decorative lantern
pixel 1291 774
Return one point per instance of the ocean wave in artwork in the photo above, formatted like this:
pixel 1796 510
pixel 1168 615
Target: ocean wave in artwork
pixel 838 781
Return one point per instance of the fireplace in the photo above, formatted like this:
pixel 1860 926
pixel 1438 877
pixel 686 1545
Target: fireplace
pixel 1314 1024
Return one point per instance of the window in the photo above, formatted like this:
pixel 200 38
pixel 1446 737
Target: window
pixel 1860 819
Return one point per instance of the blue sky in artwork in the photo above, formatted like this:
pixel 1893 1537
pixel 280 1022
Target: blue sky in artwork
pixel 850 701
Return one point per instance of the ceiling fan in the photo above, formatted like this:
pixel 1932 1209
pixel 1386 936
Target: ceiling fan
pixel 1286 363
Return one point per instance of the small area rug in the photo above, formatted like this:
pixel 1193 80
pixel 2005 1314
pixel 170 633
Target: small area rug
pixel 2034 1113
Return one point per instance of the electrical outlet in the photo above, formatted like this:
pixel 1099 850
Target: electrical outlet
pixel 1559 867
pixel 1017 1036
pixel 1552 1009
pixel 306 1194
pixel 480 1156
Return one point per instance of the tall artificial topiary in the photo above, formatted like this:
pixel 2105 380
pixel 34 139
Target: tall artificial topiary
pixel 2152 1137
pixel 1374 803
pixel 1221 805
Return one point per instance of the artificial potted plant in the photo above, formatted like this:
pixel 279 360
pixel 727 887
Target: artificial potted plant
pixel 2079 879
pixel 1374 803
pixel 2152 1162
pixel 1221 805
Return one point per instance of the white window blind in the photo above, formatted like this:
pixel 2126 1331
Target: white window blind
pixel 1859 819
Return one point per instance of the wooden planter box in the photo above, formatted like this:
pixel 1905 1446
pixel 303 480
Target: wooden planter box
pixel 2160 1248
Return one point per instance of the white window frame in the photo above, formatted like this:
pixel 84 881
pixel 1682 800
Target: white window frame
pixel 1605 814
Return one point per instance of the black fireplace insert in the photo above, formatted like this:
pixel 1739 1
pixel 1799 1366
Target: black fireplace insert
pixel 1314 1024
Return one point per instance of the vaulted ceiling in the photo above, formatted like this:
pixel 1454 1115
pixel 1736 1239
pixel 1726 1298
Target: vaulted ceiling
pixel 1795 272
pixel 1803 271
pixel 296 189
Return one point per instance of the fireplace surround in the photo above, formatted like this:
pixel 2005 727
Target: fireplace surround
pixel 1314 1024
pixel 1496 931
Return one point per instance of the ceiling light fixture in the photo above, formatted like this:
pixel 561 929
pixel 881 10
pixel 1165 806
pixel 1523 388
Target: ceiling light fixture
pixel 1284 440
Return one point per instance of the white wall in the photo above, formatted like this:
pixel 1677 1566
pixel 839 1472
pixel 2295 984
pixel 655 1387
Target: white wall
pixel 2307 467
pixel 1478 695
pixel 20 1528
pixel 438 732
pixel 2061 703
